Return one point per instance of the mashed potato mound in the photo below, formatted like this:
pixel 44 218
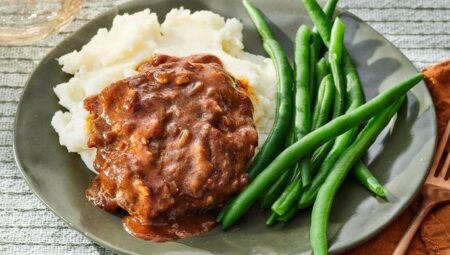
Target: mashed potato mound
pixel 114 54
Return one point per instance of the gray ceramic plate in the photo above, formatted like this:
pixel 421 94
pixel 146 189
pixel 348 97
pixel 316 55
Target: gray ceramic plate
pixel 400 157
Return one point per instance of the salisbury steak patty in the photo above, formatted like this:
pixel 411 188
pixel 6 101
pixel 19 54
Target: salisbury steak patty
pixel 172 143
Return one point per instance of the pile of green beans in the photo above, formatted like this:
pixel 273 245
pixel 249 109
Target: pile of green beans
pixel 317 138
pixel 310 142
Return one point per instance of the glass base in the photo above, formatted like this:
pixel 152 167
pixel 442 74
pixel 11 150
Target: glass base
pixel 26 21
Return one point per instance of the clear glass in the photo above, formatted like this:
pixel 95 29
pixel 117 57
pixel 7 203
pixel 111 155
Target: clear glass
pixel 26 21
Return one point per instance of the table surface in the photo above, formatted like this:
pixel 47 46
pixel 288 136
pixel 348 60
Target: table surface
pixel 420 28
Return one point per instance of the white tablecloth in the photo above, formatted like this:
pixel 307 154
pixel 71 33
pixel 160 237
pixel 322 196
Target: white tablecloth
pixel 420 28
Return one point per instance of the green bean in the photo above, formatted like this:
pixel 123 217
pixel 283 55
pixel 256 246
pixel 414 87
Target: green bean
pixel 324 102
pixel 289 197
pixel 335 59
pixel 302 100
pixel 275 141
pixel 302 94
pixel 361 172
pixel 322 69
pixel 257 17
pixel 325 197
pixel 328 10
pixel 290 137
pixel 354 87
pixel 316 46
pixel 319 117
pixel 276 189
pixel 320 154
pixel 288 215
pixel 310 142
pixel 320 20
pixel 335 56
pixel 356 98
pixel 226 207
pixel 305 175
pixel 313 88
pixel 368 180
pixel 272 219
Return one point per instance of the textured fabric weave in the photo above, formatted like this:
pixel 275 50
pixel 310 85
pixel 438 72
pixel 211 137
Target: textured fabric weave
pixel 420 28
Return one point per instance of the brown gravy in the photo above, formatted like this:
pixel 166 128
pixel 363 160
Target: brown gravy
pixel 172 145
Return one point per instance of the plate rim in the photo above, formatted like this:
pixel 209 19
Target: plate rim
pixel 339 248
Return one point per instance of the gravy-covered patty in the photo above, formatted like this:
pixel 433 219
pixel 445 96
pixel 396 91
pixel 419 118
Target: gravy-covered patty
pixel 172 145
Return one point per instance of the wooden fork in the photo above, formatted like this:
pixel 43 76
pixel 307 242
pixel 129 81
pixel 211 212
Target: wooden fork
pixel 436 191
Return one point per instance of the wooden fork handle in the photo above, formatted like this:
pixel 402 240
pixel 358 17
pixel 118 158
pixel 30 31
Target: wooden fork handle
pixel 404 243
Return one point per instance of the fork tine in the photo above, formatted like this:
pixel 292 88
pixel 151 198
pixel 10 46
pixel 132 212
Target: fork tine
pixel 444 169
pixel 440 150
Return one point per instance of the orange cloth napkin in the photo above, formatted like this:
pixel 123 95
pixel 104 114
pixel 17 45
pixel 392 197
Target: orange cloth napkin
pixel 433 238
